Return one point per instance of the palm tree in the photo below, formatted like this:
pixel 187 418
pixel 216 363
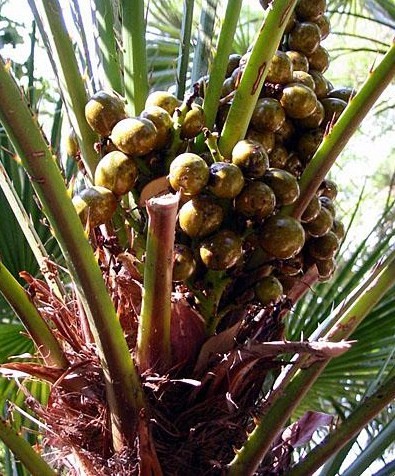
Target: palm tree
pixel 147 372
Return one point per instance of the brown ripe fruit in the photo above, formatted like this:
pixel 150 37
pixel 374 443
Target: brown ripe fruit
pixel 256 200
pixel 308 143
pixel 226 180
pixel 200 217
pixel 325 269
pixel 278 157
pixel 298 100
pixel 284 185
pixel 282 237
pixel 266 138
pixel 312 210
pixel 304 37
pixel 299 61
pixel 96 205
pixel 280 69
pixel 324 25
pixel 328 188
pixel 163 99
pixel 321 224
pixel 117 172
pixel 189 173
pixel 286 132
pixel 221 251
pixel 103 111
pixel 333 108
pixel 184 263
pixel 134 136
pixel 303 78
pixel 319 60
pixel 251 157
pixel 314 120
pixel 193 122
pixel 268 115
pixel 268 290
pixel 163 123
pixel 328 204
pixel 323 247
pixel 338 229
pixel 310 10
pixel 345 93
pixel 322 85
pixel 233 63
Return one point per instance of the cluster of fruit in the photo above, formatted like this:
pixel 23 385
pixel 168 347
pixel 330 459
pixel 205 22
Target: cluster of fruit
pixel 230 217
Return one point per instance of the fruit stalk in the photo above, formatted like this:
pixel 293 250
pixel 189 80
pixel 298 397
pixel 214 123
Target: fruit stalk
pixel 253 77
pixel 153 341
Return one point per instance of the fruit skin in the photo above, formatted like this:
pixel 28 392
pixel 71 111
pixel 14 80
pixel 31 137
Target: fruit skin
pixel 282 237
pixel 299 60
pixel 221 251
pixel 321 224
pixel 117 172
pixel 284 185
pixel 268 115
pixel 188 172
pixel 163 123
pixel 310 10
pixel 184 263
pixel 333 108
pixel 193 123
pixel 251 157
pixel 324 247
pixel 268 290
pixel 163 99
pixel 134 136
pixel 298 100
pixel 226 180
pixel 312 210
pixel 304 37
pixel 71 144
pixel 200 217
pixel 96 204
pixel 319 60
pixel 103 111
pixel 280 69
pixel 256 200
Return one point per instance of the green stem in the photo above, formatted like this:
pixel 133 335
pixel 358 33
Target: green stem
pixel 23 451
pixel 30 233
pixel 286 397
pixel 220 62
pixel 70 82
pixel 256 69
pixel 153 344
pixel 350 427
pixel 124 390
pixel 211 140
pixel 203 50
pixel 38 329
pixel 337 138
pixel 183 54
pixel 107 46
pixel 134 55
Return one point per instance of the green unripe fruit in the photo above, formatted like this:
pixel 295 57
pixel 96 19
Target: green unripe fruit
pixel 163 99
pixel 321 224
pixel 284 185
pixel 221 251
pixel 134 136
pixel 282 237
pixel 304 37
pixel 117 172
pixel 103 111
pixel 226 180
pixel 323 247
pixel 184 263
pixel 189 173
pixel 200 217
pixel 268 115
pixel 95 204
pixel 298 100
pixel 71 144
pixel 163 123
pixel 256 200
pixel 268 290
pixel 193 122
pixel 280 69
pixel 251 157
